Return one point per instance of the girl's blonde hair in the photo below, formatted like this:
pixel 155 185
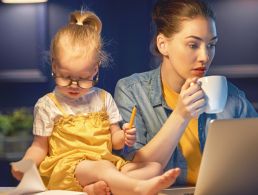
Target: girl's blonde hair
pixel 81 36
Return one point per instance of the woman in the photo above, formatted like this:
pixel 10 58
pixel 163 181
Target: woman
pixel 171 123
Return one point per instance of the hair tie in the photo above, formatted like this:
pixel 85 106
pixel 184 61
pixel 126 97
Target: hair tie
pixel 79 23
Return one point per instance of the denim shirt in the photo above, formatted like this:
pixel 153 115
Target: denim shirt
pixel 145 91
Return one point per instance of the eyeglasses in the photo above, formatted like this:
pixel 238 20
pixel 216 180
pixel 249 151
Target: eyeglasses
pixel 82 83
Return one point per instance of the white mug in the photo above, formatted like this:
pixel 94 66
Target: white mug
pixel 216 92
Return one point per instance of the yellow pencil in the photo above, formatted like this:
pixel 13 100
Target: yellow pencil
pixel 131 122
pixel 132 117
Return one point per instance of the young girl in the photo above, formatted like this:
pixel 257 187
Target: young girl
pixel 76 126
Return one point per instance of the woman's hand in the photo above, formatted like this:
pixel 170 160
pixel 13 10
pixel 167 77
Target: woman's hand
pixel 130 135
pixel 191 102
pixel 16 173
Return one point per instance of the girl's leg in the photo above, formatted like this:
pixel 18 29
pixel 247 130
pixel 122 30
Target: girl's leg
pixel 88 172
pixel 98 188
pixel 145 170
pixel 89 180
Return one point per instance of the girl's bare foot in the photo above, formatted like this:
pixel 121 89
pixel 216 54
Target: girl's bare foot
pixel 156 184
pixel 98 188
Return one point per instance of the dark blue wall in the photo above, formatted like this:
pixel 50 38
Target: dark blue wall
pixel 26 31
pixel 237 25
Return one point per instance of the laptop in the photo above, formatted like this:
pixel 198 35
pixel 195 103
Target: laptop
pixel 230 160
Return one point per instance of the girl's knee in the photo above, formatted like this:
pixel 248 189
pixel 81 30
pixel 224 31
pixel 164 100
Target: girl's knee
pixel 88 171
pixel 150 169
pixel 94 165
pixel 156 168
pixel 104 164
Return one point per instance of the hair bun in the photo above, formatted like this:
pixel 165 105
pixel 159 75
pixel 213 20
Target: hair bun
pixel 86 18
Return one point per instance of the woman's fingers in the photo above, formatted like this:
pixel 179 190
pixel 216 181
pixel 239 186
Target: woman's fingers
pixel 197 108
pixel 192 99
pixel 189 82
pixel 193 87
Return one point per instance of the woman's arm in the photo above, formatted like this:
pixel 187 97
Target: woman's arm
pixel 162 145
pixel 190 104
pixel 125 101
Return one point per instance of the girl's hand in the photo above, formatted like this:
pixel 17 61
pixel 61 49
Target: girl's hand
pixel 191 102
pixel 130 135
pixel 16 173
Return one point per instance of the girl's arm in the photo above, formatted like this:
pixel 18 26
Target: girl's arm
pixel 121 137
pixel 36 152
pixel 38 149
pixel 117 137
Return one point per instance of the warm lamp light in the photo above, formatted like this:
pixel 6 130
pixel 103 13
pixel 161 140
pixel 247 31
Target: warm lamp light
pixel 24 1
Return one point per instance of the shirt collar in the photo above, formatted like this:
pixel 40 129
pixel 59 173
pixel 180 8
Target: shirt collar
pixel 156 96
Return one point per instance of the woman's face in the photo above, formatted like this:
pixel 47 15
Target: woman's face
pixel 191 51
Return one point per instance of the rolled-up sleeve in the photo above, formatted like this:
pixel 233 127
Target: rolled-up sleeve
pixel 246 109
pixel 125 100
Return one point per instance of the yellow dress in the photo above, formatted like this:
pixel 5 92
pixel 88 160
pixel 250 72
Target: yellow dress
pixel 76 138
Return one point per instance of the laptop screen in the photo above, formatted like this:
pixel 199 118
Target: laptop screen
pixel 230 158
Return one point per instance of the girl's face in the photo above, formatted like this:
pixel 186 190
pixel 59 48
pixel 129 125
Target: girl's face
pixel 189 52
pixel 78 70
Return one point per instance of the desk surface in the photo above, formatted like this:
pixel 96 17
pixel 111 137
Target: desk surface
pixel 5 190
pixel 178 191
pixel 172 191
